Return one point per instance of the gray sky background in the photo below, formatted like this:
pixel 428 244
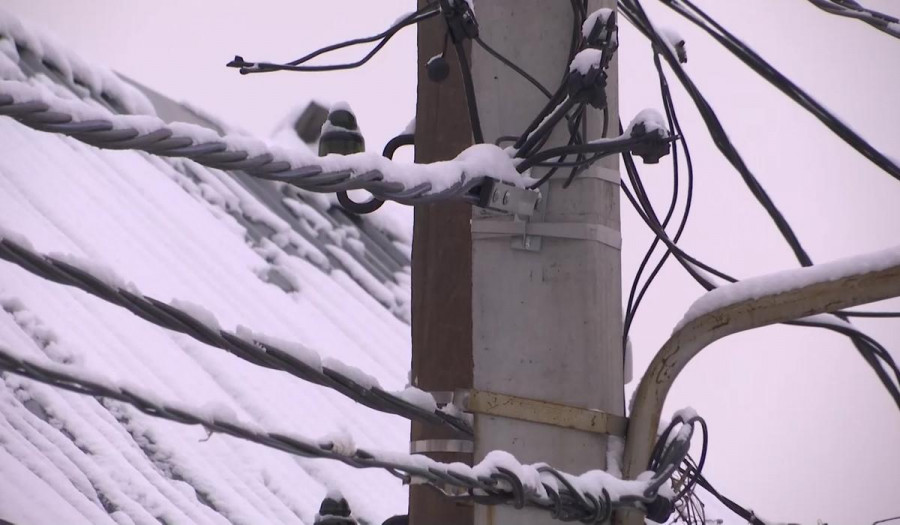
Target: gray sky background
pixel 800 428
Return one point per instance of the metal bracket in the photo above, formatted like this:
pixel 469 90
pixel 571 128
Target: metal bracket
pixel 506 198
pixel 460 446
pixel 543 412
pixel 488 228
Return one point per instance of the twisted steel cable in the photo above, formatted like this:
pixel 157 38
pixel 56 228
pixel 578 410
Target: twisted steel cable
pixel 852 9
pixel 487 483
pixel 260 353
pixel 42 111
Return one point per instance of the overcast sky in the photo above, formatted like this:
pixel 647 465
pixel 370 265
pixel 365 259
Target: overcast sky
pixel 800 428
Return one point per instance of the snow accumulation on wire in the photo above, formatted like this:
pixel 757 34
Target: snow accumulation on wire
pixel 115 284
pixel 480 160
pixel 785 281
pixel 535 478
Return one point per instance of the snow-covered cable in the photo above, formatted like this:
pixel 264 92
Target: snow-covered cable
pixel 405 183
pixel 299 361
pixel 498 479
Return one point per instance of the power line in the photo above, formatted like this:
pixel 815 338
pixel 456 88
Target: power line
pixel 380 177
pixel 851 9
pixel 749 57
pixel 426 12
pixel 262 353
pixel 496 480
pixel 634 13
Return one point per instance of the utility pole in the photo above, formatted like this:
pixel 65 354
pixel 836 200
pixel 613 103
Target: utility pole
pixel 547 309
pixel 441 276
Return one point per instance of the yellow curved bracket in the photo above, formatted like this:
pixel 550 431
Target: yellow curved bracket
pixel 689 339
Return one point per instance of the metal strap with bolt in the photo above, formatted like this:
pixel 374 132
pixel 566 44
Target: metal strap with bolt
pixel 543 412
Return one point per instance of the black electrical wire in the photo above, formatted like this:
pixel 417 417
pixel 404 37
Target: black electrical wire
pixel 296 65
pixel 635 14
pixel 867 346
pixel 884 315
pixel 469 87
pixel 672 118
pixel 551 104
pixel 851 9
pixel 604 148
pixel 784 84
pixel 510 64
pixel 544 128
pixel 400 24
pixel 361 208
pixel 730 504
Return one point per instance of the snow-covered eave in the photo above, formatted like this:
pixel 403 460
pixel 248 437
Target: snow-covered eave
pixel 753 303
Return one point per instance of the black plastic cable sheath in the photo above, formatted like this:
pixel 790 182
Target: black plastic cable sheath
pixel 512 65
pixel 365 40
pixel 469 87
pixel 675 126
pixel 265 67
pixel 749 57
pixel 717 132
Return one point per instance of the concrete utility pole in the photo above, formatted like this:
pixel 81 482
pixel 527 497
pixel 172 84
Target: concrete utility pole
pixel 441 276
pixel 547 319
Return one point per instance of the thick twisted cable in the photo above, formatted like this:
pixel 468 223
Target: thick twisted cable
pixel 564 505
pixel 166 141
pixel 258 353
pixel 880 21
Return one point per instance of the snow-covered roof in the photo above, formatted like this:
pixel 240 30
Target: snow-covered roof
pixel 253 253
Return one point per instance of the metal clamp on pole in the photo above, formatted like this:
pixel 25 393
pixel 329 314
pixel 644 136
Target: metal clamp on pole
pixel 424 446
pixel 527 231
pixel 543 412
pixel 506 198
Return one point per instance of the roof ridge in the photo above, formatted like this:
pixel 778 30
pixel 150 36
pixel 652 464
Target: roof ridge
pixel 98 81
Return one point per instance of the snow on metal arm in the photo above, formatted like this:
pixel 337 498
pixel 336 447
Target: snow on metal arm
pixel 752 303
pixel 196 322
pixel 498 479
pixel 411 184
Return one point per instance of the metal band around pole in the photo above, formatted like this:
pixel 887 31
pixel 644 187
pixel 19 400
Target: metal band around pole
pixel 546 413
pixel 485 228
pixel 422 446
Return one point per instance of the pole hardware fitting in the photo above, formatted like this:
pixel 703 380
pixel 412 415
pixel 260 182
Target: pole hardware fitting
pixel 526 232
pixel 589 87
pixel 542 412
pixel 604 33
pixel 458 446
pixel 500 196
pixel 654 147
pixel 461 23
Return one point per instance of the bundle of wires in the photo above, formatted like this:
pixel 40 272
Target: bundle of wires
pixel 874 353
pixel 561 104
pixel 424 13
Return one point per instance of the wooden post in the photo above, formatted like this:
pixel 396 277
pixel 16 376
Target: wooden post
pixel 441 269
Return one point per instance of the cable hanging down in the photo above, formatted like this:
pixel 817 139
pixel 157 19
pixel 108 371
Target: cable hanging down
pixel 868 349
pixel 426 12
pixel 499 479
